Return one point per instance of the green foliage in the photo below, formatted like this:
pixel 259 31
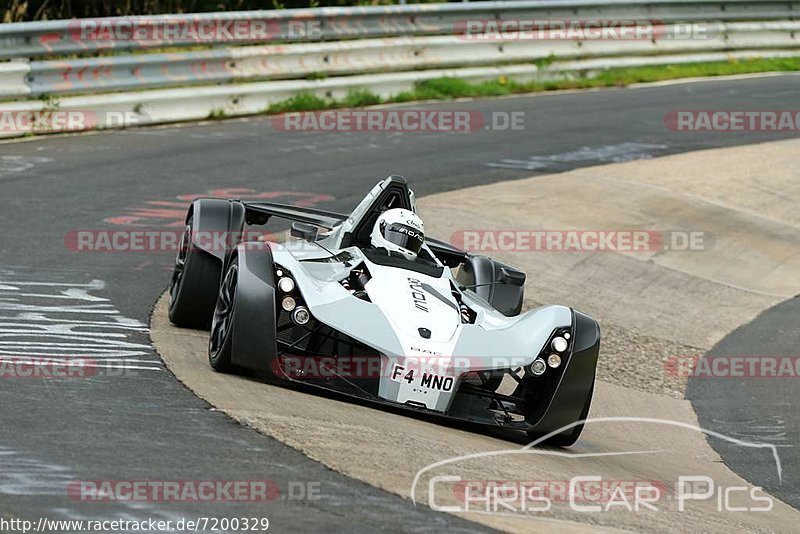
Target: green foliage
pixel 51 103
pixel 451 88
pixel 301 102
pixel 357 98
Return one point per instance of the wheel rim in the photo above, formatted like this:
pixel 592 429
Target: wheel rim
pixel 180 263
pixel 223 312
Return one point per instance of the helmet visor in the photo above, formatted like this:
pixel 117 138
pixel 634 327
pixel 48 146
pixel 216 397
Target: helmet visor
pixel 404 236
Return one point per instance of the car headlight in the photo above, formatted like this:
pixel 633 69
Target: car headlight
pixel 286 284
pixel 301 316
pixel 559 344
pixel 538 367
pixel 554 360
pixel 288 303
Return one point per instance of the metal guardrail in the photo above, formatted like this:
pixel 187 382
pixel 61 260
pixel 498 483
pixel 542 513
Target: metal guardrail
pixel 129 109
pixel 301 60
pixel 82 36
pixel 384 49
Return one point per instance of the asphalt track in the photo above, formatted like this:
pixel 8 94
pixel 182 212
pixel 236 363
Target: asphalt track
pixel 756 409
pixel 148 426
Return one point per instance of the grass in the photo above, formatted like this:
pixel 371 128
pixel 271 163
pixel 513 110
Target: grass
pixel 627 76
pixel 360 98
pixel 217 114
pixel 301 102
pixel 451 88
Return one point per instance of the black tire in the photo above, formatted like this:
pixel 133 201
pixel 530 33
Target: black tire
pixel 220 342
pixel 194 284
pixel 567 440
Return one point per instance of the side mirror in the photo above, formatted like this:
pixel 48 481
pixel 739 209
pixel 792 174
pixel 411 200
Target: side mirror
pixel 304 231
pixel 512 277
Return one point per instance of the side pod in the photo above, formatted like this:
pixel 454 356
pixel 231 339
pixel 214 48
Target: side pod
pixel 484 272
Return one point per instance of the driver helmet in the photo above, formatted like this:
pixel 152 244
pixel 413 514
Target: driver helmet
pixel 399 230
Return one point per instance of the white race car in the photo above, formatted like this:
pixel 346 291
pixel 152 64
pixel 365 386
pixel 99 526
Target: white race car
pixel 440 332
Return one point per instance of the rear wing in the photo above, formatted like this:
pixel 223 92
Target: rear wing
pixel 261 212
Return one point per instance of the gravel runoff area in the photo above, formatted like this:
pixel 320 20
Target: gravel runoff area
pixel 660 307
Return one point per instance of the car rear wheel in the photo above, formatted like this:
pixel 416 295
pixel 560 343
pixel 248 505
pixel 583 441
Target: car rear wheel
pixel 194 283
